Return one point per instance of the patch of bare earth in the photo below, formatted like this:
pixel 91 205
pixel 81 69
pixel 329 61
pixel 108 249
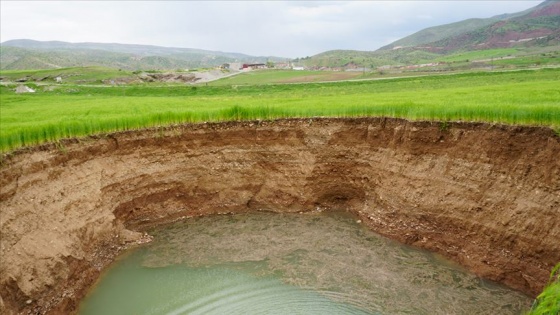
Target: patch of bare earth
pixel 486 196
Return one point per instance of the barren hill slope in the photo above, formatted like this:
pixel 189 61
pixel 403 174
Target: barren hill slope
pixel 539 26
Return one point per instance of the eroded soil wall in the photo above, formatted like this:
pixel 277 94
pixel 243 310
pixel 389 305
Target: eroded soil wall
pixel 486 196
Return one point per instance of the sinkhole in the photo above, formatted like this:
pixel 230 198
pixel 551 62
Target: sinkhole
pixel 265 214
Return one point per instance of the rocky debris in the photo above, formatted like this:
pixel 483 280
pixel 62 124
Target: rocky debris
pixel 122 81
pixel 215 74
pixel 168 77
pixel 154 77
pixel 191 77
pixel 24 89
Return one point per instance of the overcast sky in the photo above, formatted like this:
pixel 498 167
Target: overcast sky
pixel 260 28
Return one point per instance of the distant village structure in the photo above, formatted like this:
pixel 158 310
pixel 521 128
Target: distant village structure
pixel 245 66
pixel 256 66
pixel 253 66
pixel 231 66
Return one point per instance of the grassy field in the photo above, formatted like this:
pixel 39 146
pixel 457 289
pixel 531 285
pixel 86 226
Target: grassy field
pixel 286 76
pixel 62 111
pixel 90 75
pixel 513 57
pixel 480 54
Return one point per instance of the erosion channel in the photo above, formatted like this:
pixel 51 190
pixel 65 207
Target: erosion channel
pixel 485 196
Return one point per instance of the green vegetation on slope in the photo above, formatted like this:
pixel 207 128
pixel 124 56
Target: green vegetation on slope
pixel 480 54
pixel 548 302
pixel 521 97
pixel 369 59
pixel 411 56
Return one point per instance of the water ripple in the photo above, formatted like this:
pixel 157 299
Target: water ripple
pixel 289 264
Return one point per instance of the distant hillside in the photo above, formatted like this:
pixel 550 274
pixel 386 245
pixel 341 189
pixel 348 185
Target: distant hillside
pixel 140 50
pixel 440 32
pixel 539 26
pixel 536 27
pixel 436 33
pixel 31 54
pixel 349 59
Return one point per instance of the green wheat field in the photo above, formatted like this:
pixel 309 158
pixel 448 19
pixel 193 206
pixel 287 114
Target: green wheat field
pixel 527 97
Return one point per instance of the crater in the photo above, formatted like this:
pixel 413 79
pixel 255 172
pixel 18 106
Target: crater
pixel 486 196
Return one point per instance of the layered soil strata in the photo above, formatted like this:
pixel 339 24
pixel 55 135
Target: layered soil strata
pixel 486 196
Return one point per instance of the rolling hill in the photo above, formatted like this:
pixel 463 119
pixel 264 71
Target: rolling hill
pixel 539 26
pixel 528 30
pixel 440 32
pixel 30 54
pixel 436 33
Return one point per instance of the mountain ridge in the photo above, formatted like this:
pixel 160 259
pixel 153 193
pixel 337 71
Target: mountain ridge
pixel 141 49
pixel 22 54
pixel 499 31
pixel 530 29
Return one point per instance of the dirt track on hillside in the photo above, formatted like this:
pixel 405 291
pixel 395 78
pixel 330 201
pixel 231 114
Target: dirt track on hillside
pixel 487 196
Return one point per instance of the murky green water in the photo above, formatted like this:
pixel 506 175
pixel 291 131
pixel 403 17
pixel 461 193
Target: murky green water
pixel 267 263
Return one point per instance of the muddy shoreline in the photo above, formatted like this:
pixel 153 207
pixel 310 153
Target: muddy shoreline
pixel 486 196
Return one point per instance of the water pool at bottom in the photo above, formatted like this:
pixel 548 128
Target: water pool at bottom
pixel 267 263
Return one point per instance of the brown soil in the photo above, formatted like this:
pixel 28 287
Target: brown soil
pixel 486 196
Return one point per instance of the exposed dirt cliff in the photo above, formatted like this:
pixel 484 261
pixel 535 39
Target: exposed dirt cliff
pixel 486 196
